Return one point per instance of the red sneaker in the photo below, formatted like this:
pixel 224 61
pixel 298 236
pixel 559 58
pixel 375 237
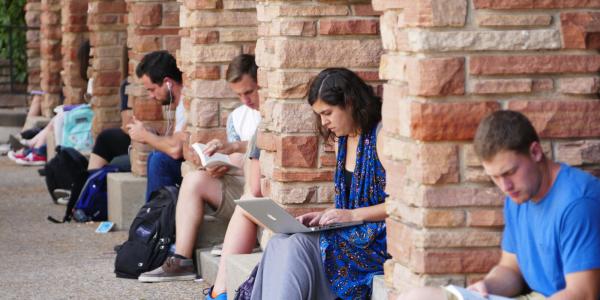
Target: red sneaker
pixel 32 159
pixel 21 154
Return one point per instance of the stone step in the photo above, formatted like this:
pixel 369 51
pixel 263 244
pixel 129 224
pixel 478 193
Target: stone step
pixel 207 265
pixel 12 100
pixel 211 232
pixel 5 131
pixel 12 117
pixel 126 195
pixel 380 291
pixel 238 269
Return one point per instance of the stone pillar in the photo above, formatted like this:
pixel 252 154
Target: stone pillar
pixel 297 39
pixel 51 63
pixel 74 29
pixel 213 33
pixel 33 10
pixel 448 63
pixel 108 65
pixel 152 25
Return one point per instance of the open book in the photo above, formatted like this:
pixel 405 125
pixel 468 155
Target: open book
pixel 215 160
pixel 464 294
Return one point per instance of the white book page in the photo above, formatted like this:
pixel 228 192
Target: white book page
pixel 215 160
pixel 464 294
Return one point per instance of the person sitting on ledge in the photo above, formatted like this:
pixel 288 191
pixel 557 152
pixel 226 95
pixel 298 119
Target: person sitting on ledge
pixel 551 241
pixel 338 263
pixel 162 79
pixel 217 186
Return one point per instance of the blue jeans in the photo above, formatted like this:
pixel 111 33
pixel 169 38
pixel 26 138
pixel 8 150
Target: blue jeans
pixel 162 171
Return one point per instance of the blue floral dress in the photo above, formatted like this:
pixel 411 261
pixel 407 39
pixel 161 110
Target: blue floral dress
pixel 352 256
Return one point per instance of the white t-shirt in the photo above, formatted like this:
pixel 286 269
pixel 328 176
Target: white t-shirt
pixel 180 119
pixel 242 123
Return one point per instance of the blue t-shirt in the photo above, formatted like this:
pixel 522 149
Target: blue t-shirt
pixel 558 235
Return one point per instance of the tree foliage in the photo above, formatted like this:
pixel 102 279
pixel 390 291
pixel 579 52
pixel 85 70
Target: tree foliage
pixel 12 13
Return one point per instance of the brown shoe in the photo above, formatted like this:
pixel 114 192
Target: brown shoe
pixel 174 268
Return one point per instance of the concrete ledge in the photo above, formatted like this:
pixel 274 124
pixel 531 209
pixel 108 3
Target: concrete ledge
pixel 238 269
pixel 211 232
pixel 207 265
pixel 126 195
pixel 380 291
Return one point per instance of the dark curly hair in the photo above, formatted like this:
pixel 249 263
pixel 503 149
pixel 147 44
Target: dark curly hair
pixel 157 65
pixel 342 87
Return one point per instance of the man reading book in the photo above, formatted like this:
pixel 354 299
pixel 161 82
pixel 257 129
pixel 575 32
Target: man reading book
pixel 215 186
pixel 551 240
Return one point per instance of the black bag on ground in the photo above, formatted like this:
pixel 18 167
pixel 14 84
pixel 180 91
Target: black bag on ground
pixel 64 170
pixel 150 235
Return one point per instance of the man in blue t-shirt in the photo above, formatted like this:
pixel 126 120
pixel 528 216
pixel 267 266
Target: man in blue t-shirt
pixel 551 241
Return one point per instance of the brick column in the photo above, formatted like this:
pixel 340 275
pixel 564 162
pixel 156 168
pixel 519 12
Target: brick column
pixel 297 39
pixel 152 25
pixel 51 64
pixel 213 33
pixel 108 65
pixel 33 10
pixel 448 64
pixel 74 29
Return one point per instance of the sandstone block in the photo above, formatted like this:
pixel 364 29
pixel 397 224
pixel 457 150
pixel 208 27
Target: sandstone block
pixel 579 85
pixel 447 121
pixel 436 76
pixel 506 40
pixel 580 30
pixel 522 4
pixel 533 64
pixel 577 153
pixel 204 113
pixel 297 151
pixel 493 20
pixel 349 27
pixel 147 14
pixel 485 218
pixel 561 119
pixel 502 86
pixel 295 53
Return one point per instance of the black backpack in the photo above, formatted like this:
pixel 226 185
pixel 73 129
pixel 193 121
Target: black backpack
pixel 64 170
pixel 150 236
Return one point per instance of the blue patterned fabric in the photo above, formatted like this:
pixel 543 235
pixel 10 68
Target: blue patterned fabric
pixel 352 256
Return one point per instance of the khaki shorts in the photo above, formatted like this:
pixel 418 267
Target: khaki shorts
pixel 530 296
pixel 232 188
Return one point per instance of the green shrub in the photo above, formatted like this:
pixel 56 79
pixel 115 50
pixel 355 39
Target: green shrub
pixel 12 13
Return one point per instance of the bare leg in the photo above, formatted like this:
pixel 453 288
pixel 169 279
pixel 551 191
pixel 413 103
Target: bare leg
pixel 40 139
pixel 240 238
pixel 96 162
pixel 196 188
pixel 35 109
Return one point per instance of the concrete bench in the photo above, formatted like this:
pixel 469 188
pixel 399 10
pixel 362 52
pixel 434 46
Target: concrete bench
pixel 380 291
pixel 126 195
pixel 238 268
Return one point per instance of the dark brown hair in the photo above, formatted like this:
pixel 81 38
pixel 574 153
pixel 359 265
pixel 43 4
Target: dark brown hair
pixel 342 87
pixel 504 130
pixel 241 65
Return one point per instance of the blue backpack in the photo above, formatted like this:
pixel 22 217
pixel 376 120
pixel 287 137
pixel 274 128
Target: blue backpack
pixel 92 202
pixel 77 129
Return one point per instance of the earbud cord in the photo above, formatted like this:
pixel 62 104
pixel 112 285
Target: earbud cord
pixel 169 110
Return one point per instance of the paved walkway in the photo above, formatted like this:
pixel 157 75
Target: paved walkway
pixel 41 260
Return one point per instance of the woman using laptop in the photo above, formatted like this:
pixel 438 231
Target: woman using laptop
pixel 338 263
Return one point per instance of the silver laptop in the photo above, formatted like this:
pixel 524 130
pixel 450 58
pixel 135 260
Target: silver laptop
pixel 278 220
